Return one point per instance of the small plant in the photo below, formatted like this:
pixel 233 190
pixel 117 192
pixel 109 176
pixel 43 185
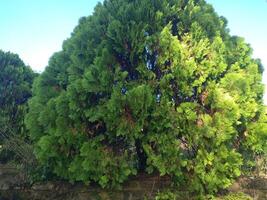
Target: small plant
pixel 167 195
pixel 236 196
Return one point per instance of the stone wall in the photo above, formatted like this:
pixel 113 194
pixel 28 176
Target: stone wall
pixel 14 187
pixel 256 187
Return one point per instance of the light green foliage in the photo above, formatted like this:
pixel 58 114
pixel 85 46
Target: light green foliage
pixel 167 195
pixel 156 86
pixel 235 196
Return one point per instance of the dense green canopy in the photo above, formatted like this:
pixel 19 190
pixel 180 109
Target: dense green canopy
pixel 15 89
pixel 150 85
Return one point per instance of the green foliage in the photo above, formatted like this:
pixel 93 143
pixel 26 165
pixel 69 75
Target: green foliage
pixel 167 195
pixel 15 89
pixel 156 86
pixel 236 196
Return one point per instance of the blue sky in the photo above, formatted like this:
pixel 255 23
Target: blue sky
pixel 248 19
pixel 35 29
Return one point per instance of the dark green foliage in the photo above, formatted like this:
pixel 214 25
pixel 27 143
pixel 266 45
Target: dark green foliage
pixel 15 89
pixel 155 86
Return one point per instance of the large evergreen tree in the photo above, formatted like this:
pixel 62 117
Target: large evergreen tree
pixel 15 89
pixel 150 85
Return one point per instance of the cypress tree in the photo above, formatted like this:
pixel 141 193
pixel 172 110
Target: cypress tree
pixel 15 89
pixel 156 86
